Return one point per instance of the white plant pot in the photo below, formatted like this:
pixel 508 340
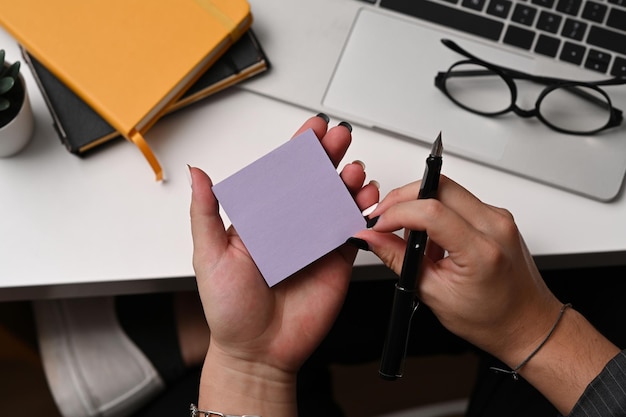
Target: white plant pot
pixel 15 135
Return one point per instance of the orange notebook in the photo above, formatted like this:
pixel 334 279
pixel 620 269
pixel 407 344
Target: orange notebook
pixel 129 59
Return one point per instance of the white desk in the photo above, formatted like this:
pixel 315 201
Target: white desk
pixel 102 225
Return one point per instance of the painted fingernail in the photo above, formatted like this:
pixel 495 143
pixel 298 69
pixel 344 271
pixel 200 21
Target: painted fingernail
pixel 360 163
pixel 375 184
pixel 188 172
pixel 346 125
pixel 369 210
pixel 372 222
pixel 323 116
pixel 358 243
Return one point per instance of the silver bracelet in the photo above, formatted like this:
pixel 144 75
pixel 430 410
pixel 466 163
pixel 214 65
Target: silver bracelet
pixel 514 372
pixel 207 413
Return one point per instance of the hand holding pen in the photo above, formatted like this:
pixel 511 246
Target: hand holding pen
pixel 405 301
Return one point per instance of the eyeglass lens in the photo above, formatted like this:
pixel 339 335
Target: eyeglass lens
pixel 478 89
pixel 564 109
pixel 483 91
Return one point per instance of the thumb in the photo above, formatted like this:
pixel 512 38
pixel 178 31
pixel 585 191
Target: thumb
pixel 207 227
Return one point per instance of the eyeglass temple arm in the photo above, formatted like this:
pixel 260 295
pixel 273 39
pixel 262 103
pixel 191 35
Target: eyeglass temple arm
pixel 574 89
pixel 615 113
pixel 522 75
pixel 534 78
pixel 589 97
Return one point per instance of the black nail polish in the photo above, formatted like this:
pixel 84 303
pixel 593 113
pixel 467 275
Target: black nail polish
pixel 358 243
pixel 372 222
pixel 346 125
pixel 323 116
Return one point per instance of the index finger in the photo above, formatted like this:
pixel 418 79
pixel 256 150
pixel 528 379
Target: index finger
pixel 452 195
pixel 444 226
pixel 335 140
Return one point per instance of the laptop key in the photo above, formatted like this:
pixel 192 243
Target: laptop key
pixel 574 29
pixel 549 22
pixel 607 39
pixel 545 3
pixel 519 37
pixel 594 11
pixel 619 67
pixel 547 45
pixel 524 15
pixel 617 19
pixel 598 60
pixel 572 53
pixel 499 8
pixel 474 4
pixel 570 7
pixel 443 15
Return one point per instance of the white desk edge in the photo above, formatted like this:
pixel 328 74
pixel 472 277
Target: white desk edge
pixel 74 226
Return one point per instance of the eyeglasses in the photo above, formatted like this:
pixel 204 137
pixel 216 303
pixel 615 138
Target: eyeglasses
pixel 574 107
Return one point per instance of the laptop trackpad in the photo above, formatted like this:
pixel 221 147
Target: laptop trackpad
pixel 385 79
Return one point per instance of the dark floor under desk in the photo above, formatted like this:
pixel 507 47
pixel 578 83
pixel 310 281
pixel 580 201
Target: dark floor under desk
pixel 358 388
pixel 427 380
pixel 23 386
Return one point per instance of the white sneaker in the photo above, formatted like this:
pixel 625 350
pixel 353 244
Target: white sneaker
pixel 92 366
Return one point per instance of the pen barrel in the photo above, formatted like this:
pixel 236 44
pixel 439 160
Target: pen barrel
pixel 405 301
pixel 413 257
pixel 404 305
pixel 394 350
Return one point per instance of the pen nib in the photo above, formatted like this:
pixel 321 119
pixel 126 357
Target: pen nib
pixel 437 149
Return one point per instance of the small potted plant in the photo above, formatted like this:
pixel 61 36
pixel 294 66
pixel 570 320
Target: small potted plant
pixel 16 116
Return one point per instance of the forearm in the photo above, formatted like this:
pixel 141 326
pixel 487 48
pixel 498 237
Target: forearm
pixel 569 361
pixel 236 387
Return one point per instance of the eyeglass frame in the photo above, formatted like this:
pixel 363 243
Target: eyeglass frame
pixel 509 76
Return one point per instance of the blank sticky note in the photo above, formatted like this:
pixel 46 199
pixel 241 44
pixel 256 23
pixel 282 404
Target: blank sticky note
pixel 290 207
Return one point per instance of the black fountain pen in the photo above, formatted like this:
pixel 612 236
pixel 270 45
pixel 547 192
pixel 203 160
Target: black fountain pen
pixel 405 301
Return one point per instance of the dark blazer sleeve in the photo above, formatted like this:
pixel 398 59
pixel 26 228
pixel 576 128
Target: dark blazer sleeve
pixel 606 394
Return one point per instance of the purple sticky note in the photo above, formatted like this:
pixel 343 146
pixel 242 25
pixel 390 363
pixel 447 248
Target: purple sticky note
pixel 290 207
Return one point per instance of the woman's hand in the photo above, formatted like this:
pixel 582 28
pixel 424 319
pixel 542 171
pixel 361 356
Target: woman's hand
pixel 480 280
pixel 259 332
pixel 487 288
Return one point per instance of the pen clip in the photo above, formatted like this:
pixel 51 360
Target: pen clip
pixel 397 340
pixel 416 304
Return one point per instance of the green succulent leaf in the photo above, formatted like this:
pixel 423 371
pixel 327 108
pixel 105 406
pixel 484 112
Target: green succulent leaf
pixel 4 104
pixel 14 70
pixel 6 84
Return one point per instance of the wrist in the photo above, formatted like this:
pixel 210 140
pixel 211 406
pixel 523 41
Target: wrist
pixel 526 331
pixel 235 386
pixel 515 369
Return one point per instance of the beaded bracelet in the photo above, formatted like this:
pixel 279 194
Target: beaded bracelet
pixel 207 413
pixel 514 371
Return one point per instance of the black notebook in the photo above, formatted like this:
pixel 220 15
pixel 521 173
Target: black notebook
pixel 81 129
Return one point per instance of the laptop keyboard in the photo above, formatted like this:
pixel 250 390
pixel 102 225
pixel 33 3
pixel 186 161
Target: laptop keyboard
pixel 589 33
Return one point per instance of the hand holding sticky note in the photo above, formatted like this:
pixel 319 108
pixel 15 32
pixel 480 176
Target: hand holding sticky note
pixel 290 207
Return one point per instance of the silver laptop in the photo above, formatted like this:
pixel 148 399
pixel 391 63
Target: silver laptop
pixel 373 63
